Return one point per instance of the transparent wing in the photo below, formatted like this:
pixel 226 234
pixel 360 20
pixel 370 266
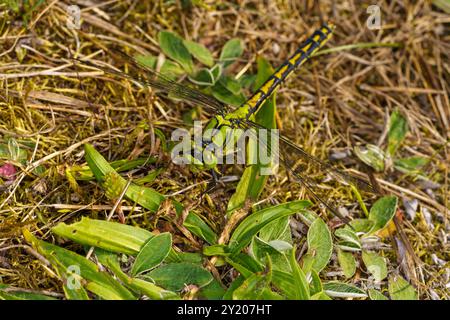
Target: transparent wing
pixel 161 83
pixel 298 162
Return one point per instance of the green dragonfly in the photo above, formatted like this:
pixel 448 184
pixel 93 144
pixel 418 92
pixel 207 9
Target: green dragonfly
pixel 294 158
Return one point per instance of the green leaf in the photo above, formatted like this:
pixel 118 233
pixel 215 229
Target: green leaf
pixel 171 70
pixel 76 270
pixel 203 77
pixel 232 50
pixel 274 239
pixel 197 226
pixel 146 197
pixel 376 295
pixel 320 244
pixel 397 131
pixel 199 52
pixel 224 95
pixel 347 263
pixel 233 286
pixel 153 253
pixel 251 225
pixel 411 165
pixel 231 84
pixel 320 296
pixel 252 288
pixel 361 225
pixel 400 289
pixel 175 276
pixel 343 290
pixel 152 291
pixel 299 279
pixel 350 239
pixel 244 264
pixel 174 48
pixel 375 264
pixel 371 155
pixel 111 236
pixel 316 284
pixel 382 212
pixel 284 282
pixel 147 60
pixel 212 291
pixel 8 293
pixel 444 5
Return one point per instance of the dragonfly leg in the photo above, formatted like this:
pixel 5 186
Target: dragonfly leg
pixel 214 181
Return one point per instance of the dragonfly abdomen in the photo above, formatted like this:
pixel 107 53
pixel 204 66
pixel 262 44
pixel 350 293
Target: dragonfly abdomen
pixel 309 47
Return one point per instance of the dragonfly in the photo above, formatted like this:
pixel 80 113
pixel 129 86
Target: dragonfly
pixel 294 158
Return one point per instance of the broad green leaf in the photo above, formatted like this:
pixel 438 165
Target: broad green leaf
pixel 175 276
pixel 233 286
pixel 231 84
pixel 277 230
pixel 400 289
pixel 397 131
pixel 343 290
pixel 347 263
pixel 147 60
pixel 200 228
pixel 251 225
pixel 284 282
pixel 149 289
pixel 361 225
pixel 199 52
pixel 411 165
pixel 203 77
pixel 75 269
pixel 299 279
pixel 320 244
pixel 382 212
pixel 216 250
pixel 349 238
pixel 111 236
pixel 444 5
pixel 371 155
pixel 376 295
pixel 320 296
pixel 152 253
pixel 173 47
pixel 270 295
pixel 212 291
pixel 171 70
pixel 315 285
pixel 75 293
pixel 375 264
pixel 247 80
pixel 146 197
pixel 244 264
pixel 232 50
pixel 216 72
pixel 252 288
pixel 276 251
pixel 7 293
pixel 277 236
pixel 224 95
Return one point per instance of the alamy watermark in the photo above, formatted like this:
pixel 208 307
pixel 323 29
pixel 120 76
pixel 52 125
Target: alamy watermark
pixel 73 17
pixel 228 145
pixel 373 22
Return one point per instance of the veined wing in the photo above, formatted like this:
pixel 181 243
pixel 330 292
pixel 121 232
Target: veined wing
pixel 161 83
pixel 297 161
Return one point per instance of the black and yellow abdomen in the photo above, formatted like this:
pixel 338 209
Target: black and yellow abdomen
pixel 306 50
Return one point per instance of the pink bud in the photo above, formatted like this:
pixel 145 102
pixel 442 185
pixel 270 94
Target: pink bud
pixel 8 171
